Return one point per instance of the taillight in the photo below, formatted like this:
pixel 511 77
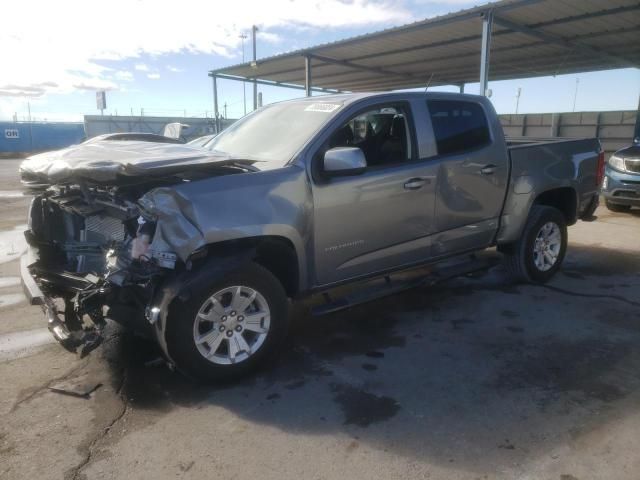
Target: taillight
pixel 600 170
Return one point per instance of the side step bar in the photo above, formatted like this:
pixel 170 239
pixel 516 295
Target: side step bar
pixel 391 287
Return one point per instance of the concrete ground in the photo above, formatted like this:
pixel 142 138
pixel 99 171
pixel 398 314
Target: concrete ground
pixel 475 379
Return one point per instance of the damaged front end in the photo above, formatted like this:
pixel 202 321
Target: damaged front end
pixel 91 258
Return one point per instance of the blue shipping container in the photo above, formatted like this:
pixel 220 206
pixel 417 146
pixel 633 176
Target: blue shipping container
pixel 28 137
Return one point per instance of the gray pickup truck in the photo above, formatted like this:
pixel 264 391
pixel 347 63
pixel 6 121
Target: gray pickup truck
pixel 204 248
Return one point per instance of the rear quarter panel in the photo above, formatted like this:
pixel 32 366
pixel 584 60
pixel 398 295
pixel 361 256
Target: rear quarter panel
pixel 539 167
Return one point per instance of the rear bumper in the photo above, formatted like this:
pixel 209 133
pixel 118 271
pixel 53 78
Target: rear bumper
pixel 31 289
pixel 621 188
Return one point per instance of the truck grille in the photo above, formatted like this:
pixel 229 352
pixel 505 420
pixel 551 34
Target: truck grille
pixel 632 166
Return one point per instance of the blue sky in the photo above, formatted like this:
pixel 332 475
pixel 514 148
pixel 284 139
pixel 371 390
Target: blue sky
pixel 156 56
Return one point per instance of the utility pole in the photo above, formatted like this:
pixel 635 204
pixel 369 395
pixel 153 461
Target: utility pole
pixel 518 93
pixel 254 64
pixel 225 110
pixel 243 36
pixel 575 94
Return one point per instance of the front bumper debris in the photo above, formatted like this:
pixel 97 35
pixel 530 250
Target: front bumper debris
pixel 80 339
pixel 29 286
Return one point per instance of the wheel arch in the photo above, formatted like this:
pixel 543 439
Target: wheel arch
pixel 564 199
pixel 518 209
pixel 273 252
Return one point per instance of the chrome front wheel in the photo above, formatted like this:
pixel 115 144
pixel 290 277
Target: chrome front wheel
pixel 231 325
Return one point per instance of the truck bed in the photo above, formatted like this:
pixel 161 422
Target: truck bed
pixel 528 141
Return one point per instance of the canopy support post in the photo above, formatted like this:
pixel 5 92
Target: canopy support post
pixel 254 29
pixel 307 75
pixel 215 102
pixel 487 26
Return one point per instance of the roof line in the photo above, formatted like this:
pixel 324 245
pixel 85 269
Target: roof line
pixel 272 83
pixel 557 21
pixel 494 51
pixel 356 66
pixel 558 40
pixel 501 6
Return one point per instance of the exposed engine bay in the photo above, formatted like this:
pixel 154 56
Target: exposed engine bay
pixel 95 258
pixel 111 237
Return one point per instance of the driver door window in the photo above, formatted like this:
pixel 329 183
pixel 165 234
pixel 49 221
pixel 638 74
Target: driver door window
pixel 381 133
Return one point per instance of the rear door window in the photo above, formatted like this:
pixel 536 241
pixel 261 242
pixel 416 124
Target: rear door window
pixel 458 126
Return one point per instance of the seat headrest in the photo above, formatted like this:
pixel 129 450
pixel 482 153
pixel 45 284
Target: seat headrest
pixel 342 136
pixel 397 127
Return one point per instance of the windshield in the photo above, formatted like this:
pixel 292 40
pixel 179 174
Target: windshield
pixel 275 133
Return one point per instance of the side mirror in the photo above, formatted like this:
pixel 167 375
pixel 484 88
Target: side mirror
pixel 343 161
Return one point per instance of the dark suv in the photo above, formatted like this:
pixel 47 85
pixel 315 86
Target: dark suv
pixel 621 185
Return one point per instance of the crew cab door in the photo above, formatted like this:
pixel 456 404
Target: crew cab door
pixel 473 173
pixel 381 218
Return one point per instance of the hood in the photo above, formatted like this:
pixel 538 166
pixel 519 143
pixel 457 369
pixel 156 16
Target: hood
pixel 107 160
pixel 629 152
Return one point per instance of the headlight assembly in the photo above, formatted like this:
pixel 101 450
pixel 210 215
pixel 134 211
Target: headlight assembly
pixel 617 163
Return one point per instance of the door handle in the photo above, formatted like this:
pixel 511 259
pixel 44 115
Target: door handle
pixel 488 170
pixel 415 183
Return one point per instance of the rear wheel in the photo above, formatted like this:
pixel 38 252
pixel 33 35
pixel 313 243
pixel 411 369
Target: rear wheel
pixel 232 328
pixel 539 252
pixel 615 207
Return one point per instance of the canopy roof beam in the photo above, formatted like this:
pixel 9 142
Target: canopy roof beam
pixel 272 83
pixel 529 37
pixel 356 66
pixel 444 58
pixel 558 40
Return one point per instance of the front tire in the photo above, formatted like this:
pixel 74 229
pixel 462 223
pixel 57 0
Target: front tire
pixel 538 254
pixel 615 207
pixel 231 328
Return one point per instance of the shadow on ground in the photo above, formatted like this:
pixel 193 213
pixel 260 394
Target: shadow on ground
pixel 477 372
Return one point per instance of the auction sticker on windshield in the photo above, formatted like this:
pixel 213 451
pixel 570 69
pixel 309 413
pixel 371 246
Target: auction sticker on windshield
pixel 322 107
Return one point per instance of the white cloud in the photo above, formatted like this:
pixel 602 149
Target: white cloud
pixel 65 38
pixel 270 37
pixel 95 84
pixel 153 76
pixel 124 75
pixel 174 69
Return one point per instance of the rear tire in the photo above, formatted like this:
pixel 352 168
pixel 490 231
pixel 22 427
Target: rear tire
pixel 538 254
pixel 231 328
pixel 615 207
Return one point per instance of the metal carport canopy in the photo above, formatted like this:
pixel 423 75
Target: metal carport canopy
pixel 522 38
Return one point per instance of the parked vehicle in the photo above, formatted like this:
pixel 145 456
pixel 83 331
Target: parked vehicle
pixel 621 185
pixel 134 136
pixel 204 248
